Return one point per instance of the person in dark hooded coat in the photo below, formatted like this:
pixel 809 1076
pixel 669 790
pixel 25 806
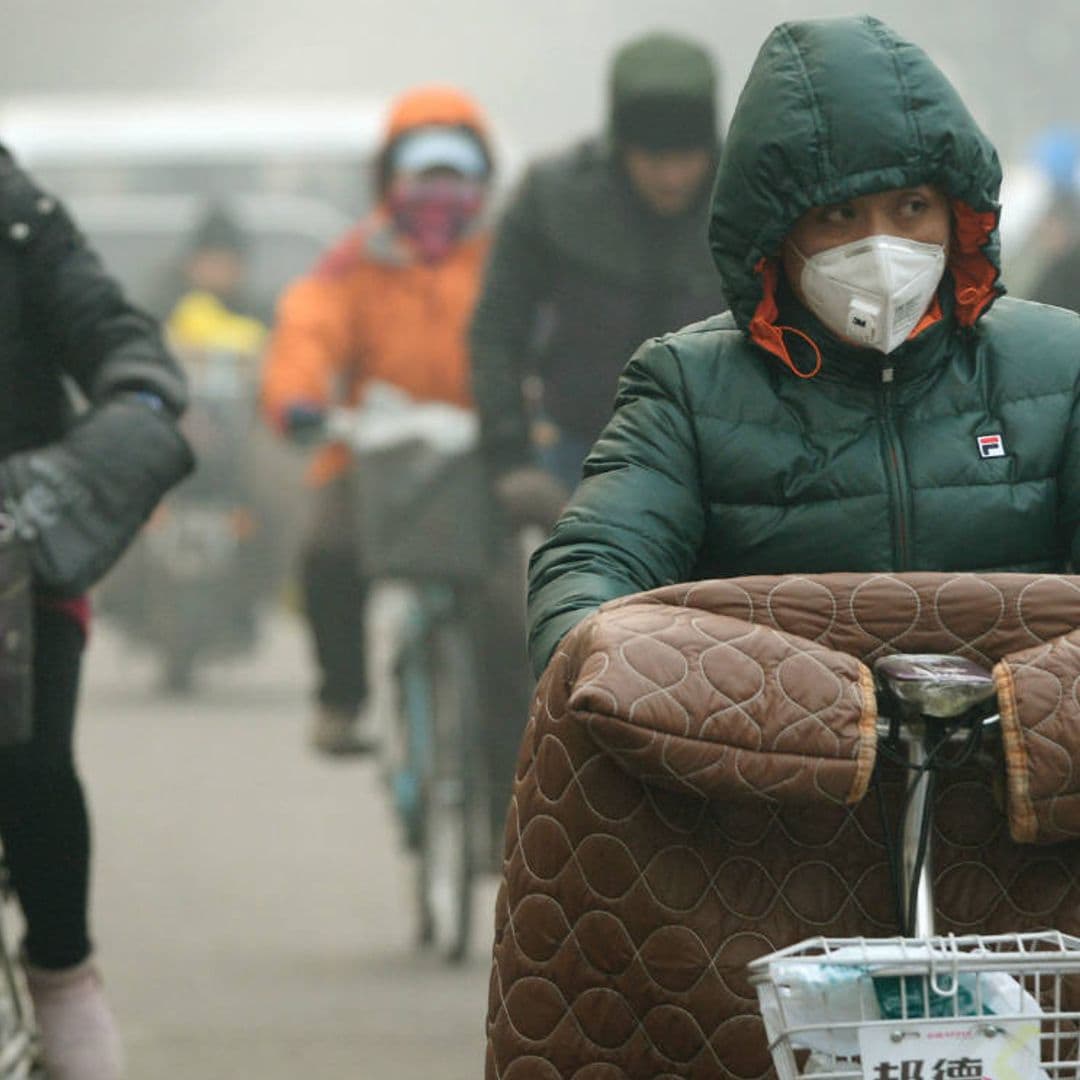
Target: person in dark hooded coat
pixel 600 247
pixel 783 436
pixel 870 402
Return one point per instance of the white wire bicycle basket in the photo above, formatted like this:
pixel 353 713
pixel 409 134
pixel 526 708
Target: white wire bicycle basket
pixel 978 1007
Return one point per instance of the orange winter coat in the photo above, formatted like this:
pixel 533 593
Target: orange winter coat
pixel 372 311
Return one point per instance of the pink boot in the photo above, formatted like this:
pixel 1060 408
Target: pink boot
pixel 79 1039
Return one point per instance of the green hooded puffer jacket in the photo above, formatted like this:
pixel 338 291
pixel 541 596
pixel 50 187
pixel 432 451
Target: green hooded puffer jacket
pixel 959 451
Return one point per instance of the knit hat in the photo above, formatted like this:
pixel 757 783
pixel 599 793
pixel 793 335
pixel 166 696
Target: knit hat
pixel 663 94
pixel 218 230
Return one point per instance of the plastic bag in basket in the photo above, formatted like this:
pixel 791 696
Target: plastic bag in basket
pixel 846 989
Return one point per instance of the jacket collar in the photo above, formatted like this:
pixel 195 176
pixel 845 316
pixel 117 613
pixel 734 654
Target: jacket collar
pixel 841 362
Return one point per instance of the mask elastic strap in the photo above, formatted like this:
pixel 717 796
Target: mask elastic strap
pixel 764 331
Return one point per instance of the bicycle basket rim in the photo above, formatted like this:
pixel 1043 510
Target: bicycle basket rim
pixel 1039 950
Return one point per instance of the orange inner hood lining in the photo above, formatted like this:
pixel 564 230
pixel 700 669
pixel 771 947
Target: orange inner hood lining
pixel 974 275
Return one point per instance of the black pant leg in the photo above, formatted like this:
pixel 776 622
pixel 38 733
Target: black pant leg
pixel 335 596
pixel 43 818
pixel 334 599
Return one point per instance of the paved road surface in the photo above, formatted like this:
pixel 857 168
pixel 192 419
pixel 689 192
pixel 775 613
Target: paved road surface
pixel 252 907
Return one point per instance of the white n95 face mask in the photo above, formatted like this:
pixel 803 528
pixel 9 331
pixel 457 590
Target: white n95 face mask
pixel 873 291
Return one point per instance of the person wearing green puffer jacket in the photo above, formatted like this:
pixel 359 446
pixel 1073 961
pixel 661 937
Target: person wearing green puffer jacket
pixel 600 247
pixel 871 401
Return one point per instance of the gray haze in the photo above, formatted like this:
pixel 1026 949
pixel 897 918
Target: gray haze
pixel 536 65
pixel 255 909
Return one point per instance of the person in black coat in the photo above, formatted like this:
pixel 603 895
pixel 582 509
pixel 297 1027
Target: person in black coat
pixel 67 334
pixel 601 247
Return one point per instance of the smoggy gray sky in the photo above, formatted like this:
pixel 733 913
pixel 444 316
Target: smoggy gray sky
pixel 538 65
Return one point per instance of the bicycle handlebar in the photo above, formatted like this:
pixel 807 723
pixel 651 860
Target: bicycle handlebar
pixel 958 733
pixel 926 702
pixel 933 684
pixel 389 418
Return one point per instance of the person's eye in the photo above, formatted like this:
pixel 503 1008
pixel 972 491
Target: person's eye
pixel 913 205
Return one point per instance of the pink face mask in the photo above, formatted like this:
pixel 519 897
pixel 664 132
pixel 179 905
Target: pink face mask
pixel 434 213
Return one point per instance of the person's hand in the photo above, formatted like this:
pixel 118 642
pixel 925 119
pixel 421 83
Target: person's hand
pixel 304 423
pixel 531 496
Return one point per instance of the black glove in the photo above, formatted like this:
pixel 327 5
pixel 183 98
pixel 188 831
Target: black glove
pixel 305 424
pixel 79 502
pixel 531 496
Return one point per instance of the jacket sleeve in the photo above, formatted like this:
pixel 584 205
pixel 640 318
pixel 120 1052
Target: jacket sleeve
pixel 1069 477
pixel 309 347
pixel 515 285
pixel 74 310
pixel 637 520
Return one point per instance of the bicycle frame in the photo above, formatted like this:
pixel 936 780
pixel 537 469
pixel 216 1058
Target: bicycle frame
pixel 18 1037
pixel 436 792
pixel 926 693
pixel 435 668
pixel 430 603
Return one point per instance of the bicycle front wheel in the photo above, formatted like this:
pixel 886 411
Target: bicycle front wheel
pixel 448 793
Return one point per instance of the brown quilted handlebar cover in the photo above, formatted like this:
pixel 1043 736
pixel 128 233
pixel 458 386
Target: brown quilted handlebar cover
pixel 662 834
pixel 718 708
pixel 1039 695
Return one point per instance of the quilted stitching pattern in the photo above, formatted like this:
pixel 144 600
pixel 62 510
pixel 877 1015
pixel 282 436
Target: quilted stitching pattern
pixel 633 896
pixel 1039 691
pixel 723 709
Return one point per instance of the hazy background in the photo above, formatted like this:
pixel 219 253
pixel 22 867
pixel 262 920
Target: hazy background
pixel 537 66
pixel 255 909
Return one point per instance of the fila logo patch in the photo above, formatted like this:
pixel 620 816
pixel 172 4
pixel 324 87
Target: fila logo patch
pixel 991 446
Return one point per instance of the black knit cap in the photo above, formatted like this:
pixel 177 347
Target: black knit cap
pixel 218 230
pixel 663 94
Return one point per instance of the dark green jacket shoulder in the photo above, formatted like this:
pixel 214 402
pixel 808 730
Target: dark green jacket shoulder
pixel 720 462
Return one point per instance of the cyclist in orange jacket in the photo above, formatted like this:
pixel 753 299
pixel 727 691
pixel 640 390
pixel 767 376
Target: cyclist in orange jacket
pixel 391 302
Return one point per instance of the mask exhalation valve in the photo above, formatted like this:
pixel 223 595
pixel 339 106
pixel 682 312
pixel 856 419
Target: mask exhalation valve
pixel 862 321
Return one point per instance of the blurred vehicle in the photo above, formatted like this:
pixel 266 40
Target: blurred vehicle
pixel 138 176
pixel 191 586
pixel 146 239
pixel 318 148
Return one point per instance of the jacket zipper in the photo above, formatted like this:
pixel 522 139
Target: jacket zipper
pixel 896 471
